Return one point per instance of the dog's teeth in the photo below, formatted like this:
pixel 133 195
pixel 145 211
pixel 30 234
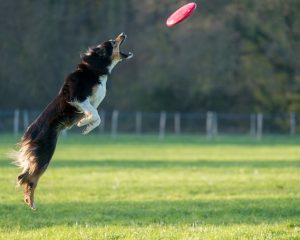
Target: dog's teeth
pixel 130 55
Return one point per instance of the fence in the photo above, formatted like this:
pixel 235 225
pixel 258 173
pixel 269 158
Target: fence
pixel 161 123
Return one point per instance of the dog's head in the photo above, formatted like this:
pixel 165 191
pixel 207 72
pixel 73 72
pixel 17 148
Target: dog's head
pixel 106 55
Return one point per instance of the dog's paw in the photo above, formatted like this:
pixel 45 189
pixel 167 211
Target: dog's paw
pixel 86 131
pixel 82 122
pixel 92 126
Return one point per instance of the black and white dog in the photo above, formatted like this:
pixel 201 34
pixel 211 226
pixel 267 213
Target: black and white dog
pixel 76 103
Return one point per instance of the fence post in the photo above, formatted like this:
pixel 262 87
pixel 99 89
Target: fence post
pixel 114 123
pixel 209 124
pixel 25 119
pixel 102 124
pixel 177 127
pixel 16 121
pixel 162 124
pixel 292 123
pixel 215 124
pixel 138 123
pixel 252 124
pixel 259 130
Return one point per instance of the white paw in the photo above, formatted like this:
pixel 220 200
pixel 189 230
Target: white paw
pixel 92 126
pixel 86 131
pixel 83 121
pixel 89 118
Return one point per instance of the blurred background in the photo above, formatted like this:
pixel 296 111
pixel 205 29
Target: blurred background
pixel 233 67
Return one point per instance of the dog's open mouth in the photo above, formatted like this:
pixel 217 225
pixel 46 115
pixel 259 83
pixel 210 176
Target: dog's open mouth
pixel 120 39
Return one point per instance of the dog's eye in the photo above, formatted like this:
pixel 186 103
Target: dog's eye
pixel 113 42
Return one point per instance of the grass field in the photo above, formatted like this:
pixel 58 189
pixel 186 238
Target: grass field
pixel 143 188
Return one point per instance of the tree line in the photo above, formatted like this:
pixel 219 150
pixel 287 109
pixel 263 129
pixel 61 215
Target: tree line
pixel 230 56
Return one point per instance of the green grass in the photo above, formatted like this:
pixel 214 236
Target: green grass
pixel 143 188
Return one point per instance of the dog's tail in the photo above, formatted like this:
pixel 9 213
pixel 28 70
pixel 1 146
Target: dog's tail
pixel 23 158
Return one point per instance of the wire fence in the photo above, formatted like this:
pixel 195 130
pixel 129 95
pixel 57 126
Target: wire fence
pixel 210 123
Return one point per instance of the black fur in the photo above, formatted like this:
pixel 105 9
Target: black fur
pixel 59 114
pixel 39 141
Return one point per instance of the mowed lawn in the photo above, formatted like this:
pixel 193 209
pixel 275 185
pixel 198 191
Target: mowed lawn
pixel 145 188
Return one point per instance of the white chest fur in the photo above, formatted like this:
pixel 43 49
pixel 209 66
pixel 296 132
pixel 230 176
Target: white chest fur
pixel 99 92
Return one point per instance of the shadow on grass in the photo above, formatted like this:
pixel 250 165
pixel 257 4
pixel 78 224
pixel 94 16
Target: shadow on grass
pixel 217 212
pixel 177 164
pixel 157 164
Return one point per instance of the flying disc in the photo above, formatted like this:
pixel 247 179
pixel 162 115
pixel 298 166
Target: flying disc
pixel 181 14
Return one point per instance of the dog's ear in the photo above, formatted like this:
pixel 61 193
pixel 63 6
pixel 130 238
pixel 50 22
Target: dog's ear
pixel 89 52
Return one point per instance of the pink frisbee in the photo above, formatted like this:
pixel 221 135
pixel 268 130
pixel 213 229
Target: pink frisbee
pixel 181 14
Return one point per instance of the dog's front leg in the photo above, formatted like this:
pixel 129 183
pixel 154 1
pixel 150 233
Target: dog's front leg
pixel 91 116
pixel 92 125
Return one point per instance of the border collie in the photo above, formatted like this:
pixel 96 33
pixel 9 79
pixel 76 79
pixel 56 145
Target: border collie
pixel 76 103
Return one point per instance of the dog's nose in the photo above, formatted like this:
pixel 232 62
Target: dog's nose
pixel 122 35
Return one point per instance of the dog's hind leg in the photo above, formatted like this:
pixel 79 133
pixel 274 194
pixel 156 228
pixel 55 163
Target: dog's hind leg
pixel 28 179
pixel 33 157
pixel 28 182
